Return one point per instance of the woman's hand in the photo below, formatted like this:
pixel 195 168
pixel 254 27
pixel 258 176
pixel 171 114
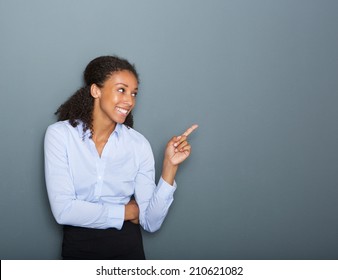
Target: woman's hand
pixel 178 149
pixel 131 212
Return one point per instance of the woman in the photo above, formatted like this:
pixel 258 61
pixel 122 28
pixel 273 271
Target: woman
pixel 100 171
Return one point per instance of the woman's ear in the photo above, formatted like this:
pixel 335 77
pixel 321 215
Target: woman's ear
pixel 95 91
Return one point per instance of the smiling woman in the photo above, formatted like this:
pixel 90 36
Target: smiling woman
pixel 100 171
pixel 113 103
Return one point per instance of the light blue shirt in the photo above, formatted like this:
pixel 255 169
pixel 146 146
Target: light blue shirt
pixel 87 190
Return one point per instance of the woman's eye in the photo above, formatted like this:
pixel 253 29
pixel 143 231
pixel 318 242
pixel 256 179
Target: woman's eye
pixel 134 94
pixel 121 90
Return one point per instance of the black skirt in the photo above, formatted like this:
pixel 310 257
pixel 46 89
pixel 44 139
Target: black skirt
pixel 103 244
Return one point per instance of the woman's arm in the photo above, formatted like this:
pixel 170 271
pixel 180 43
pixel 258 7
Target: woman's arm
pixel 66 207
pixel 154 202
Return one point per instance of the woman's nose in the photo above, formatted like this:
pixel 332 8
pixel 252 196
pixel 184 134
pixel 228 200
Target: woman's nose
pixel 128 98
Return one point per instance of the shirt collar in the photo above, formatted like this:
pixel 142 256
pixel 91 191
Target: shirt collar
pixel 118 129
pixel 82 134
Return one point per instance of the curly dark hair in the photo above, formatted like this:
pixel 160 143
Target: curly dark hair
pixel 79 107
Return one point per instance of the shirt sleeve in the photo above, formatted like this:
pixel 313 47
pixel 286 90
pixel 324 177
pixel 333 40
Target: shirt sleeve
pixel 153 201
pixel 66 208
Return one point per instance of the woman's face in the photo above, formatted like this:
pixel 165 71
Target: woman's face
pixel 117 97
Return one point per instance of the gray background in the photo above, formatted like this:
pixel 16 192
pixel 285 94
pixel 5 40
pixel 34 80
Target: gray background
pixel 259 77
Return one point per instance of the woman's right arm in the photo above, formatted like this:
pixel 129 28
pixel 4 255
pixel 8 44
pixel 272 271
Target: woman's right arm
pixel 66 208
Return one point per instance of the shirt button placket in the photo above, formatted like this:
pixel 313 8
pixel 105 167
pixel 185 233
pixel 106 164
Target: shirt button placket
pixel 99 182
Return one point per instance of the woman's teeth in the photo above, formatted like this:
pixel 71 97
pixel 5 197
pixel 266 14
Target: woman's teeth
pixel 121 110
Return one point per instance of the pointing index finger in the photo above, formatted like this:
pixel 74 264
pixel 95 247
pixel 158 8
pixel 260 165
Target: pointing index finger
pixel 190 130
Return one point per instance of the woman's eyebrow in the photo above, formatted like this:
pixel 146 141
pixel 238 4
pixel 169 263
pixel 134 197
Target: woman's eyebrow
pixel 122 84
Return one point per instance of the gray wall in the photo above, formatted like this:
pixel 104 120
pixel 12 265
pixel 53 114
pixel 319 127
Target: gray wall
pixel 259 77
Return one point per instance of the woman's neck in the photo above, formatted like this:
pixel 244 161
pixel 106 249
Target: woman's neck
pixel 102 131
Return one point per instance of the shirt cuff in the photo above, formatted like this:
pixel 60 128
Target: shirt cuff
pixel 164 189
pixel 116 216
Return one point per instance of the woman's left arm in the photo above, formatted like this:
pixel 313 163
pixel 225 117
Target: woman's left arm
pixel 154 202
